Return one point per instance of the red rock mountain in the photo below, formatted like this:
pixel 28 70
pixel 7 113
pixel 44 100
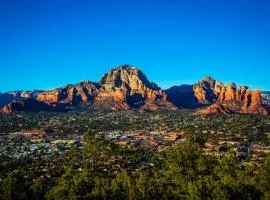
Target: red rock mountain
pixel 126 87
pixel 221 98
pixel 71 95
pixel 60 99
pixel 228 98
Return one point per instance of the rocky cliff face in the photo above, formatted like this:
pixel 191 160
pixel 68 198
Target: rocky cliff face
pixel 228 98
pixel 127 87
pixel 207 90
pixel 253 103
pixel 124 87
pixel 72 95
pixel 60 99
pixel 221 98
pixel 214 109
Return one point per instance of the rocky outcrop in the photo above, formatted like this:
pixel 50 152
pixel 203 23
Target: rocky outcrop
pixel 60 99
pixel 214 109
pixel 31 105
pixel 208 90
pixel 220 97
pixel 124 87
pixel 127 87
pixel 72 95
pixel 253 103
pixel 8 97
pixel 50 96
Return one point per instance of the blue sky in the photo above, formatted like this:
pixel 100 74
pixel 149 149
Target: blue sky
pixel 48 43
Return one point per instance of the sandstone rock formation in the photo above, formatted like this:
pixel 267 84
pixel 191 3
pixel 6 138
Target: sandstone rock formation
pixel 127 87
pixel 220 97
pixel 71 95
pixel 215 108
pixel 253 103
pixel 124 87
pixel 230 99
pixel 60 99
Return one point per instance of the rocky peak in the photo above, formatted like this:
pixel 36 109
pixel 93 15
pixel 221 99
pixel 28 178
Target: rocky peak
pixel 210 91
pixel 207 90
pixel 209 79
pixel 231 99
pixel 126 76
pixel 84 91
pixel 128 87
pixel 223 98
pixel 208 82
pixel 229 92
pixel 256 99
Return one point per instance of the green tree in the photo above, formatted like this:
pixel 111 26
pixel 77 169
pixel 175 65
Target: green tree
pixel 264 179
pixel 122 187
pixel 13 187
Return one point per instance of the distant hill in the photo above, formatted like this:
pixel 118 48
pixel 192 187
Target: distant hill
pixel 8 97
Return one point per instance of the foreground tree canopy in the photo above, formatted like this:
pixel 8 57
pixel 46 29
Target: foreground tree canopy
pixel 180 172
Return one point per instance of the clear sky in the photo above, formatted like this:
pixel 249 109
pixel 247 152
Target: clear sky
pixel 48 43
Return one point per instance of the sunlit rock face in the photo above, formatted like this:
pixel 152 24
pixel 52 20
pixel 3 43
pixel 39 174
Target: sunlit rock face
pixel 60 99
pixel 220 97
pixel 228 98
pixel 123 88
pixel 210 90
pixel 51 97
pixel 254 104
pixel 83 92
pixel 207 90
pixel 128 87
pixel 215 108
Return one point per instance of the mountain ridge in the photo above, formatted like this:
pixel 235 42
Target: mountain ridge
pixel 126 87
